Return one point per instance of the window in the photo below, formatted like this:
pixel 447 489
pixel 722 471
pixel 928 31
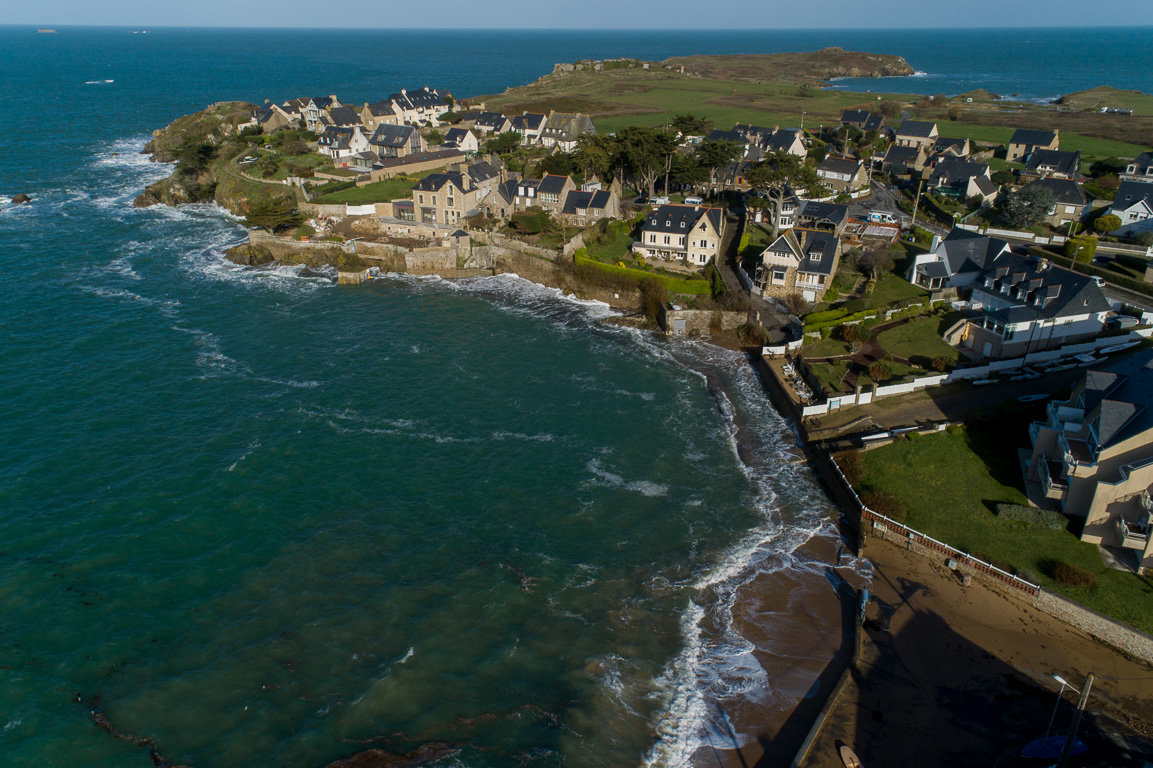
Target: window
pixel 421 198
pixel 652 238
pixel 449 203
pixel 777 276
pixel 667 238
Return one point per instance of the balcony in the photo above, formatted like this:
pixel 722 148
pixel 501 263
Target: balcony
pixel 1132 535
pixel 1055 486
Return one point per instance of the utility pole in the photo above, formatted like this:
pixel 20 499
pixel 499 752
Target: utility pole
pixel 916 205
pixel 1076 721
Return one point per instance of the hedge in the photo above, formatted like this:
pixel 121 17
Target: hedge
pixel 696 286
pixel 1040 518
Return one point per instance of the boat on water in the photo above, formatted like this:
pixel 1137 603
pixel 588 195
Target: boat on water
pixel 849 757
pixel 1033 398
pixel 45 31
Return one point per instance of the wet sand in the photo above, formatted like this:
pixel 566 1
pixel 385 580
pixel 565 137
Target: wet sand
pixel 947 674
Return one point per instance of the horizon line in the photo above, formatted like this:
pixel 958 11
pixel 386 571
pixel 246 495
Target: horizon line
pixel 474 28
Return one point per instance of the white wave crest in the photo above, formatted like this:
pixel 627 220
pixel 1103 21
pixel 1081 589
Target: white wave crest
pixel 606 479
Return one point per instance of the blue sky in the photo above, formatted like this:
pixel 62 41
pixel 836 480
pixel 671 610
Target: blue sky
pixel 599 14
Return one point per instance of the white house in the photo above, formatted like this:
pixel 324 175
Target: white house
pixel 1133 204
pixel 463 139
pixel 418 107
pixel 955 261
pixel 842 173
pixel 338 143
pixel 687 233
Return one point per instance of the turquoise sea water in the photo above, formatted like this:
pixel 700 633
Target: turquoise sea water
pixel 265 520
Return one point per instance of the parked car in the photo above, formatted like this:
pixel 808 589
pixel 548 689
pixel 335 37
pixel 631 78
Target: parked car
pixel 693 201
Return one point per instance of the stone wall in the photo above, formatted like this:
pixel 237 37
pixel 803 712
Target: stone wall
pixel 700 321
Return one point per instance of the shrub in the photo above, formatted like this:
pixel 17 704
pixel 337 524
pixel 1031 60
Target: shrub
pixel 1107 223
pixel 832 294
pixel 752 334
pixel 1081 249
pixel 854 334
pixel 878 371
pixel 1040 518
pixel 851 465
pixel 885 503
pixel 853 306
pixel 817 318
pixel 939 363
pixel 1071 575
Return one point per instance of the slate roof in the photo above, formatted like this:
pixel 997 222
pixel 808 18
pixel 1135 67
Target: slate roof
pixel 344 116
pixel 1143 161
pixel 425 97
pixel 1031 138
pixel 529 121
pixel 581 199
pixel 1132 192
pixel 1066 191
pixel 492 120
pixel 985 185
pixel 1054 160
pixel 1119 398
pixel 322 102
pixel 456 135
pixel 482 170
pixel 839 165
pixel 551 184
pixel 901 155
pixel 381 109
pixel 335 137
pixel 669 218
pixel 952 172
pixel 854 116
pixel 965 251
pixel 818 250
pixel 779 141
pixel 813 212
pixel 1033 293
pixel 733 136
pixel 954 146
pixel 916 129
pixel 874 123
pixel 392 136
pixel 434 182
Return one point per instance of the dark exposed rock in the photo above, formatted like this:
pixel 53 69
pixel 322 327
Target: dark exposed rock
pixel 21 198
pixel 250 255
pixel 378 758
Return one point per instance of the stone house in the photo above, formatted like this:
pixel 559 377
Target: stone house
pixel 862 120
pixel 1072 204
pixel 562 130
pixel 843 174
pixel 904 160
pixel 1026 141
pixel 586 206
pixel 690 234
pixel 955 148
pixel 916 133
pixel 390 141
pixel 444 198
pixel 372 116
pixel 548 193
pixel 800 262
pixel 1094 454
pixel 344 117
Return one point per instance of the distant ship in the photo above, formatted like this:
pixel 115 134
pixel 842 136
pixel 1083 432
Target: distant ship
pixel 45 31
pixel 139 31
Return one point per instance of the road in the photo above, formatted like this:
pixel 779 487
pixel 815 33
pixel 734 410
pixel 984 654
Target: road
pixel 773 320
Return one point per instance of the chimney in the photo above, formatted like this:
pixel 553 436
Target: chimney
pixel 936 244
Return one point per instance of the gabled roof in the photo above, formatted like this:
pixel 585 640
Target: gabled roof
pixel 733 136
pixel 492 120
pixel 344 116
pixel 1055 161
pixel 780 141
pixel 668 218
pixel 381 109
pixel 321 102
pixel 953 146
pixel 1066 191
pixel 563 126
pixel 457 135
pixel 917 129
pixel 1032 138
pixel 425 97
pixel 393 136
pixel 577 199
pixel 897 155
pixel 964 251
pixel 434 182
pixel 1119 398
pixel 950 172
pixel 840 165
pixel 874 123
pixel 552 184
pixel 1032 292
pixel 985 185
pixel 819 250
pixel 854 116
pixel 335 137
pixel 1131 193
pixel 529 121
pixel 815 212
pixel 482 170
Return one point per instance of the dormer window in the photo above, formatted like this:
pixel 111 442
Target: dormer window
pixel 682 225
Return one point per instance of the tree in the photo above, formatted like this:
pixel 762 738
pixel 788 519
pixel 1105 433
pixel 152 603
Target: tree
pixel 691 125
pixel 890 108
pixel 853 333
pixel 647 153
pixel 1003 177
pixel 687 170
pixel 596 156
pixel 879 371
pixel 1028 205
pixel 715 155
pixel 1108 166
pixel 193 156
pixel 954 113
pixel 273 213
pixel 434 138
pixel 877 260
pixel 1107 223
pixel 776 176
pixel 503 143
pixel 559 163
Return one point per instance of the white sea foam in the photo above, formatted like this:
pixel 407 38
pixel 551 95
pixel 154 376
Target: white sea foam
pixel 607 479
pixel 247 452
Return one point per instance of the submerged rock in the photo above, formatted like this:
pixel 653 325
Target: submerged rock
pixel 378 758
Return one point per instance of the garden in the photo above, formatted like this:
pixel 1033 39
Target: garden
pixel 965 487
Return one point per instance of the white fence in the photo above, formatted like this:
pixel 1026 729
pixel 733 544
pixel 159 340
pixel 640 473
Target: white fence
pixel 778 350
pixel 961 374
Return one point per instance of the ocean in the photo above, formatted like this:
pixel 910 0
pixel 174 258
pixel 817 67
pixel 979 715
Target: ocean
pixel 255 518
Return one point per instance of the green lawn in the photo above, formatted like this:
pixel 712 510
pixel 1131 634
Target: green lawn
pixel 825 348
pixel 831 374
pixel 951 483
pixel 396 188
pixel 891 289
pixel 918 340
pixel 616 249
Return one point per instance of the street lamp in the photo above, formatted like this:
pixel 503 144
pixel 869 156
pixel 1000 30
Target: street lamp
pixel 1067 748
pixel 1064 684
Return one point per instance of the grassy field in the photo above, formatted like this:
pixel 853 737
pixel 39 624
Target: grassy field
pixel 616 249
pixel 396 188
pixel 951 484
pixel 918 339
pixel 891 289
pixel 825 348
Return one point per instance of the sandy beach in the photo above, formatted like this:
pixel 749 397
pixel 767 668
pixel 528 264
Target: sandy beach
pixel 952 672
